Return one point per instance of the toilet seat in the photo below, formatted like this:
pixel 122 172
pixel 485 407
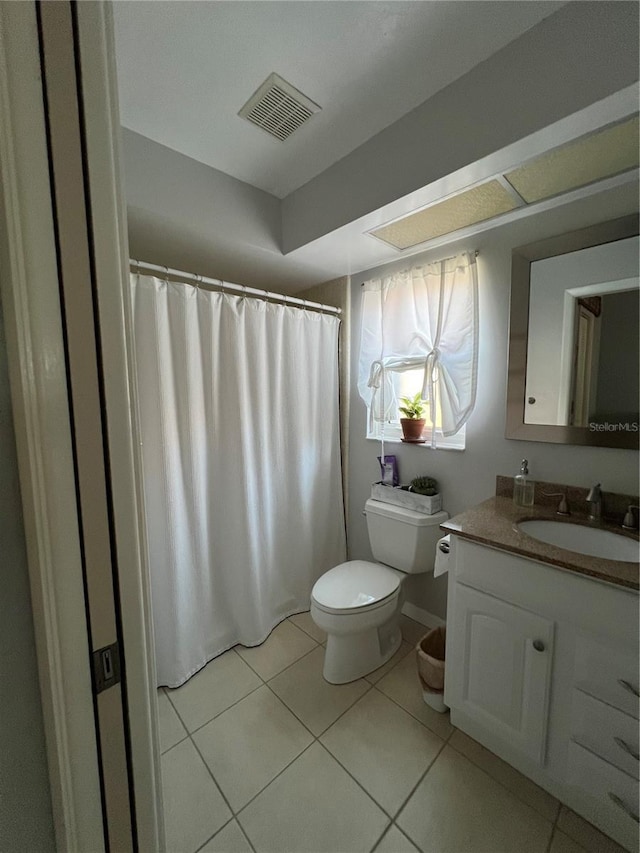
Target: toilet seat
pixel 355 586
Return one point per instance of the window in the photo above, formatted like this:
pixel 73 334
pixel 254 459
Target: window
pixel 408 384
pixel 419 335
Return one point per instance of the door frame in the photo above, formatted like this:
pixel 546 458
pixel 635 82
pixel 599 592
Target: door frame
pixel 40 398
pixel 111 252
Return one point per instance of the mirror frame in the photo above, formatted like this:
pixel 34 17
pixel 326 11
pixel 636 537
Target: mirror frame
pixel 521 260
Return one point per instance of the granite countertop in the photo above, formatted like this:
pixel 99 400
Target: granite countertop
pixel 493 522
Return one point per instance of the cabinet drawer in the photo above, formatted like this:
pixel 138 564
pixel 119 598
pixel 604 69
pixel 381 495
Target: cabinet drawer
pixel 606 731
pixel 606 794
pixel 609 673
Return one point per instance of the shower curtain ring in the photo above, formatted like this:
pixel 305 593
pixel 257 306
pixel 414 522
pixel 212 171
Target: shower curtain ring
pixel 166 274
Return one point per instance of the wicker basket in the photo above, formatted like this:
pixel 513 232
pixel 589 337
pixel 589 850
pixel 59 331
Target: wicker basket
pixel 430 659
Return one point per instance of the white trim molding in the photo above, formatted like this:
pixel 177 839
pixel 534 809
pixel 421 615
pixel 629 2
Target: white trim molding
pixel 429 620
pixel 111 248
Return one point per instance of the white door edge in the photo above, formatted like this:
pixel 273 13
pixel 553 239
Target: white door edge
pixel 111 248
pixel 37 370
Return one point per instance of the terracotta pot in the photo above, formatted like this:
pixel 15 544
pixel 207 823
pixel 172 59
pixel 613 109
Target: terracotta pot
pixel 412 428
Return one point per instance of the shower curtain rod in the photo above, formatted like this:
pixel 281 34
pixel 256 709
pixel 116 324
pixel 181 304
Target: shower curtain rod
pixel 235 288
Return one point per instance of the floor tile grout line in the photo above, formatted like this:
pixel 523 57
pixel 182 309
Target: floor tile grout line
pixel 359 784
pixel 319 642
pixel 181 721
pixel 384 832
pixel 211 837
pixel 502 784
pixel 215 716
pixel 173 745
pixel 333 722
pixel 232 819
pixel 394 825
pixel 391 668
pixel 276 674
pixel 316 739
pixel 243 831
pixel 291 711
pixel 219 786
pixel 220 713
pixel 402 832
pixel 417 785
pixel 407 711
pixel 195 746
pixel 210 772
pixel 293 663
pixel 271 781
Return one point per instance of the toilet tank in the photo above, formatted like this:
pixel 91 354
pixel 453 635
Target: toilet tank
pixel 402 538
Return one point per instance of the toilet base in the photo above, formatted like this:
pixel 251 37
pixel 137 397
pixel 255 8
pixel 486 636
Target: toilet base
pixel 351 656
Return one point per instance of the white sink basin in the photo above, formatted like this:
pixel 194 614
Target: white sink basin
pixel 584 540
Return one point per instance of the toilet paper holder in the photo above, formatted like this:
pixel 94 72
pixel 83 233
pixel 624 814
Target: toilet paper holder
pixel 444 547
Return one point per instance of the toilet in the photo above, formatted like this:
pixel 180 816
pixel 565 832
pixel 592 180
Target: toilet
pixel 358 603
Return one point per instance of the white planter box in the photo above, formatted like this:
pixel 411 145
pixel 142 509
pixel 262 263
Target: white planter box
pixel 428 504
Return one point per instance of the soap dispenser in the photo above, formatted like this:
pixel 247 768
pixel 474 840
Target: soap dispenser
pixel 523 486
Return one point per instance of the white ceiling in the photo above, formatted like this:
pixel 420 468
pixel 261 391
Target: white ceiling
pixel 186 68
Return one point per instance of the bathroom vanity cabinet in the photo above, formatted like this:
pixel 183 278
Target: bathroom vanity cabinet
pixel 542 669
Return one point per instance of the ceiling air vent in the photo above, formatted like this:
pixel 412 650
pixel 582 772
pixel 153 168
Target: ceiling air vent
pixel 278 107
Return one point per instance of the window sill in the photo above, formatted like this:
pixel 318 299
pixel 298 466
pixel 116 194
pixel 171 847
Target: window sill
pixel 427 442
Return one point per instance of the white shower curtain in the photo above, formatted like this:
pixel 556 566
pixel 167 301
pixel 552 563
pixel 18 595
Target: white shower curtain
pixel 238 404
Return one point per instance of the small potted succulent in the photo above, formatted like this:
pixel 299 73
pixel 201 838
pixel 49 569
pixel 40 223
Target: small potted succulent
pixel 424 486
pixel 427 494
pixel 412 423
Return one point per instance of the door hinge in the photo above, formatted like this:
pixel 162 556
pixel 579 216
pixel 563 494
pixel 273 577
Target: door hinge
pixel 106 667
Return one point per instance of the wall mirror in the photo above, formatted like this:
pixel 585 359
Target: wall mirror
pixel 574 338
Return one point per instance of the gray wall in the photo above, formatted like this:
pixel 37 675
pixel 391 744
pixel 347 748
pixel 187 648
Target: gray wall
pixel 575 57
pixel 189 216
pixel 468 477
pixel 619 361
pixel 26 824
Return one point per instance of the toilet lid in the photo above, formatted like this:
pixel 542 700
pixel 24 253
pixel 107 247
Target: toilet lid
pixel 355 584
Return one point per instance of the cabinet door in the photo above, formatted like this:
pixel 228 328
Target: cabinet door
pixel 498 669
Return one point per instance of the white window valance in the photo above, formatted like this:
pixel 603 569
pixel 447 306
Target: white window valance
pixel 426 318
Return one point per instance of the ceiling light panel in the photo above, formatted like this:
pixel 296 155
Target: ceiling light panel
pixel 466 208
pixel 278 107
pixel 592 158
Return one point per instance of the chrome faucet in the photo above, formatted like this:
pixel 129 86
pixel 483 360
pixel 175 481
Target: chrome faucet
pixel 595 499
pixel 563 506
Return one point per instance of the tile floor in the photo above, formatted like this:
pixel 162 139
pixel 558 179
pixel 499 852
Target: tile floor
pixel 261 754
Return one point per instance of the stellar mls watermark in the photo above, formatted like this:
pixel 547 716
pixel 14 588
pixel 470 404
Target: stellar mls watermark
pixel 620 426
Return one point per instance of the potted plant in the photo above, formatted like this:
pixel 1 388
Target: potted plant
pixel 427 496
pixel 413 421
pixel 424 486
